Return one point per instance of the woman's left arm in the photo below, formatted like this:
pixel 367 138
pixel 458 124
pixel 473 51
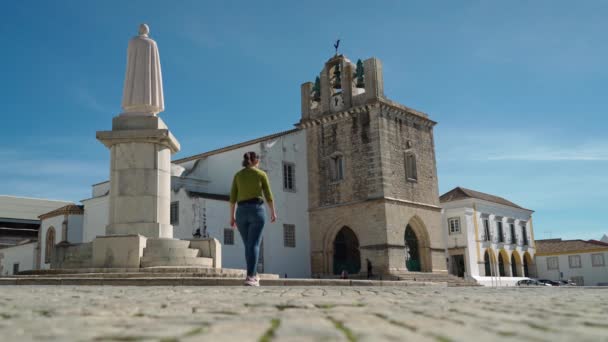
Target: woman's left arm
pixel 269 199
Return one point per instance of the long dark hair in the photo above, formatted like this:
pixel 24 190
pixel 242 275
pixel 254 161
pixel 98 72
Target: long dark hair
pixel 249 159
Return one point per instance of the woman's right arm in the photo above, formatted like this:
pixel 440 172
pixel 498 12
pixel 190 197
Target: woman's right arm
pixel 234 192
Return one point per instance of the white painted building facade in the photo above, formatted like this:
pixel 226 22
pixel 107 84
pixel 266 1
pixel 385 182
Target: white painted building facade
pixel 583 262
pixel 199 201
pixel 488 238
pixel 18 258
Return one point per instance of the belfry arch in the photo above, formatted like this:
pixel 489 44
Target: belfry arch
pixel 417 246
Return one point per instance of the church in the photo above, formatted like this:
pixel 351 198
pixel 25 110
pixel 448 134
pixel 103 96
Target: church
pixel 355 183
pixel 355 186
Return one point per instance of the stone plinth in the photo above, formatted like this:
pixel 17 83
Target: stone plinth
pixel 140 178
pixel 118 251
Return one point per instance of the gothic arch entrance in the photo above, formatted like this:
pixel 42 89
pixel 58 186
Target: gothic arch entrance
pixel 412 252
pixel 346 252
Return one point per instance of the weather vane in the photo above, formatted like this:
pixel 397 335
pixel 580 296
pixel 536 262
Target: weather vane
pixel 336 45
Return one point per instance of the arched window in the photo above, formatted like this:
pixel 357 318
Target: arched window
pixel 411 173
pixel 49 245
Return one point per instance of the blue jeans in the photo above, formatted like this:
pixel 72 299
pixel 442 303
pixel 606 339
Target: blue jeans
pixel 250 218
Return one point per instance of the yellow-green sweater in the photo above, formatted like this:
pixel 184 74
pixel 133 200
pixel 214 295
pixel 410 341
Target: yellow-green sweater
pixel 250 183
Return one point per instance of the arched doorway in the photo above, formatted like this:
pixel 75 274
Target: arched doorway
pixel 515 265
pixel 501 265
pixel 527 264
pixel 49 245
pixel 412 251
pixel 486 263
pixel 346 252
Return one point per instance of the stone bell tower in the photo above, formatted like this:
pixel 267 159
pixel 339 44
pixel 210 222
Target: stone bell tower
pixel 373 193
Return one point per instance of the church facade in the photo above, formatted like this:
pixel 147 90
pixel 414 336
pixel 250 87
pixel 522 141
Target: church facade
pixel 373 191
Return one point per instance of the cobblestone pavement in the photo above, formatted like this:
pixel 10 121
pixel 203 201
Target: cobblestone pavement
pixel 431 313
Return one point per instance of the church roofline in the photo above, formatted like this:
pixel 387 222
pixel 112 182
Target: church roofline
pixel 235 146
pixel 459 193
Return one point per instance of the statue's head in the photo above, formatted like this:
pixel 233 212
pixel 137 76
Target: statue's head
pixel 144 30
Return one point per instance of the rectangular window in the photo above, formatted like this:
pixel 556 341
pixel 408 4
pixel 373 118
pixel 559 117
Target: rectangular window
pixel 486 230
pixel 336 168
pixel 513 238
pixel 524 235
pixel 228 236
pixel 501 237
pixel 410 167
pixel 16 268
pixel 454 225
pixel 597 259
pixel 289 235
pixel 552 263
pixel 289 177
pixel 574 261
pixel 174 213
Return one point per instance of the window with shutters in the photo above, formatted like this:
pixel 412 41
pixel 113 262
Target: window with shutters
pixel 174 213
pixel 552 263
pixel 228 236
pixel 597 260
pixel 454 225
pixel 513 237
pixel 289 177
pixel 574 261
pixel 486 230
pixel 289 235
pixel 411 173
pixel 501 237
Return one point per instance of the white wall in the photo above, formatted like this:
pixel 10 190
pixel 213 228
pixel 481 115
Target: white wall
pixel 96 211
pixel 24 255
pixel 292 207
pixel 592 275
pixel 218 171
pixel 75 228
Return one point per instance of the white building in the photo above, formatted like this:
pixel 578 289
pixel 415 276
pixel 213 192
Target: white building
pixel 488 238
pixel 19 231
pixel 583 262
pixel 200 191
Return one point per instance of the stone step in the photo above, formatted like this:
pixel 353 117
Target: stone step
pixel 166 243
pixel 170 252
pixel 182 281
pixel 148 261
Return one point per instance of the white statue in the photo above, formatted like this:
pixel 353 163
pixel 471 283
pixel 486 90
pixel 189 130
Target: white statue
pixel 143 90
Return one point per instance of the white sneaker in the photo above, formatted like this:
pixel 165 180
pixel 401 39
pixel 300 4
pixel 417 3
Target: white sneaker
pixel 252 281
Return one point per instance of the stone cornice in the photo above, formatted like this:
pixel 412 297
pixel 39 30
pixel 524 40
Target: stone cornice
pixel 155 136
pixel 389 109
pixel 385 199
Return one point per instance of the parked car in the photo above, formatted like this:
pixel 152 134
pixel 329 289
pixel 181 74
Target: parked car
pixel 566 283
pixel 530 282
pixel 549 282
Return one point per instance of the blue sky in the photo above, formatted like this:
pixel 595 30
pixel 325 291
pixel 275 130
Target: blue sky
pixel 518 88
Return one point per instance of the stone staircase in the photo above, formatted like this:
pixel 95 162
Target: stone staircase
pixel 172 252
pixel 451 280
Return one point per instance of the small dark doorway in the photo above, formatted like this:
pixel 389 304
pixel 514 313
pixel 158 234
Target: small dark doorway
pixel 486 262
pixel 412 253
pixel 513 266
pixel 458 265
pixel 346 252
pixel 526 272
pixel 501 265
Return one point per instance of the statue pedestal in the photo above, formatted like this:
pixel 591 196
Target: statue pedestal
pixel 140 176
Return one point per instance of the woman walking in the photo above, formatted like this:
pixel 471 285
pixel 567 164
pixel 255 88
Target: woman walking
pixel 249 189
